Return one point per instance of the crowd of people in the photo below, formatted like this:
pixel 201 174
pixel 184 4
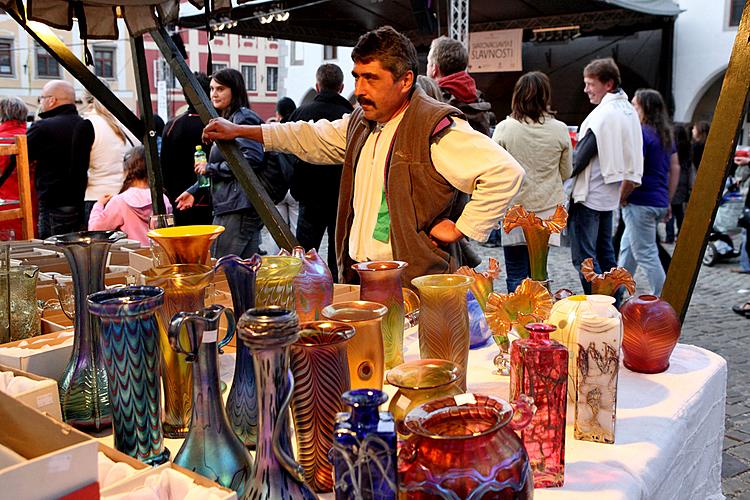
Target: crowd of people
pixel 417 168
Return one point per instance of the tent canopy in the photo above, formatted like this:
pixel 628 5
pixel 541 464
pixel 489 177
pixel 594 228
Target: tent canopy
pixel 341 22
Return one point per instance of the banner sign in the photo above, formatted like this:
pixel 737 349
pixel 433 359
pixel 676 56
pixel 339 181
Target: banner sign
pixel 491 51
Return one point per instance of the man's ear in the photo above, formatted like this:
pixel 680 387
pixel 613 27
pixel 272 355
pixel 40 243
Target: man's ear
pixel 408 80
pixel 611 86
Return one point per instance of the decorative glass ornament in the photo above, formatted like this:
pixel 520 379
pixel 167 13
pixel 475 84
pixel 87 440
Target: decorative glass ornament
pixel 536 232
pixel 652 329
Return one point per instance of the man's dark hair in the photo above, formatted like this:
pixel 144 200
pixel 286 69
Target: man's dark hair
pixel 604 70
pixel 450 56
pixel 393 50
pixel 232 79
pixel 329 77
pixel 284 107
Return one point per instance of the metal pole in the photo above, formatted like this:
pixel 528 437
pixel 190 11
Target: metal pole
pixel 143 87
pixel 720 146
pixel 240 168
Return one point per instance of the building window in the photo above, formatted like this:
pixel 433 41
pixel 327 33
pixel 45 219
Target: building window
pixel 297 55
pixel 248 73
pixel 735 11
pixel 217 66
pixel 6 57
pixel 329 52
pixel 272 78
pixel 46 66
pixel 104 62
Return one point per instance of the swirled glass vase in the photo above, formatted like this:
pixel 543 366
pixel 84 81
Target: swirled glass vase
pixel 652 329
pixel 130 344
pixel 444 319
pixel 274 281
pixel 242 403
pixel 84 396
pixel 313 286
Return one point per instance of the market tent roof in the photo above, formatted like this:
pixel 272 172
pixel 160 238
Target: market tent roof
pixel 341 22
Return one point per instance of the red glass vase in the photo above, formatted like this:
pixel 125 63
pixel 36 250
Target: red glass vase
pixel 464 446
pixel 539 370
pixel 651 330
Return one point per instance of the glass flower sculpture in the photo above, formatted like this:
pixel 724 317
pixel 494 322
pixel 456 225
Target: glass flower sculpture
pixel 537 232
pixel 608 282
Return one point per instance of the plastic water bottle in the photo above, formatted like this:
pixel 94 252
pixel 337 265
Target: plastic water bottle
pixel 201 161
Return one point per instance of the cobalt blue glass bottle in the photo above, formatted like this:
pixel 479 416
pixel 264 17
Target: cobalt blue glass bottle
pixel 364 448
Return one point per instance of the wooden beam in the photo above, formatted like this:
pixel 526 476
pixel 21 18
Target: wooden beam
pixel 240 168
pixel 712 173
pixel 62 54
pixel 143 87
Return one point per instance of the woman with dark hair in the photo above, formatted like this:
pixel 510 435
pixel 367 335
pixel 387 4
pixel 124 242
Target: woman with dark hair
pixel 541 144
pixel 645 205
pixel 231 207
pixel 131 209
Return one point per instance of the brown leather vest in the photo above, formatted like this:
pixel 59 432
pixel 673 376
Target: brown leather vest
pixel 418 196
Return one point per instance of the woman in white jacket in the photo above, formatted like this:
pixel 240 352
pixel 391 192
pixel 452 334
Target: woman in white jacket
pixel 541 144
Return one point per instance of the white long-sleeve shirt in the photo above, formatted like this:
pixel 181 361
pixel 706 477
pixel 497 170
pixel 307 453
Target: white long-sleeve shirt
pixel 471 162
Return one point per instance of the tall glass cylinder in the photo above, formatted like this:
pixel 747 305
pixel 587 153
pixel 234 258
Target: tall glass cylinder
pixel 444 319
pixel 321 375
pixel 84 396
pixel 365 349
pixel 268 333
pixel 380 281
pixel 211 448
pixel 130 343
pixel 539 370
pixel 242 403
pixel 274 281
pixel 184 290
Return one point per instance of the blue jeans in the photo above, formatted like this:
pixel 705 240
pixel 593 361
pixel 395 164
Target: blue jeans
pixel 638 245
pixel 241 234
pixel 590 236
pixel 517 265
pixel 58 220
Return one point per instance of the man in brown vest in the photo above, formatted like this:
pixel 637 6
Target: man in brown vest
pixel 406 157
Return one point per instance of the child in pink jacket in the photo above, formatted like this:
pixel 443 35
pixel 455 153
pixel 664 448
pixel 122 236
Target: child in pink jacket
pixel 131 209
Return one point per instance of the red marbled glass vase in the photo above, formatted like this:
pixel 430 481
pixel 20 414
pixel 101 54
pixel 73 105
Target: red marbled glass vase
pixel 539 370
pixel 651 330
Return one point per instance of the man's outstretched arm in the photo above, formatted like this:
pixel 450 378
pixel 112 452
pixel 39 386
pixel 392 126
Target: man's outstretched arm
pixel 220 129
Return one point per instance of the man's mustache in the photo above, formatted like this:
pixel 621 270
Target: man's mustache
pixel 362 101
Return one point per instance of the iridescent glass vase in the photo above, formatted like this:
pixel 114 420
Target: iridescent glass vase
pixel 380 281
pixel 420 381
pixel 242 403
pixel 268 333
pixel 444 319
pixel 211 448
pixel 652 329
pixel 274 281
pixel 365 349
pixel 321 375
pixel 464 446
pixel 130 344
pixel 364 448
pixel 599 334
pixel 186 244
pixel 313 286
pixel 536 231
pixel 84 397
pixel 184 290
pixel 539 370
pixel 19 313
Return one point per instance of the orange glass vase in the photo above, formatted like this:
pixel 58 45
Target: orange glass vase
pixel 651 330
pixel 186 244
pixel 365 349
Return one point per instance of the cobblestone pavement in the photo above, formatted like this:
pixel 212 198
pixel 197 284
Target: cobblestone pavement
pixel 711 324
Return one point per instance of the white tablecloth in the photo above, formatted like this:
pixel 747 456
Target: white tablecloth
pixel 668 436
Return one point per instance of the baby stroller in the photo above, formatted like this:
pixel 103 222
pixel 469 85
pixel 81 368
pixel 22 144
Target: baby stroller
pixel 721 242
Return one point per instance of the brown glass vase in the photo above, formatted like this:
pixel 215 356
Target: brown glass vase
pixel 321 375
pixel 380 281
pixel 651 330
pixel 184 291
pixel 365 349
pixel 444 319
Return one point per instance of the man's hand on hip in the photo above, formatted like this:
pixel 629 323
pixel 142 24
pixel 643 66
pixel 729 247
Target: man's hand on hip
pixel 445 232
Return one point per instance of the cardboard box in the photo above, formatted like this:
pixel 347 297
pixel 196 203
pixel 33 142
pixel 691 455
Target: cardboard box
pixel 54 320
pixel 45 397
pixel 139 480
pixel 58 460
pixel 140 260
pixel 48 363
pixel 345 293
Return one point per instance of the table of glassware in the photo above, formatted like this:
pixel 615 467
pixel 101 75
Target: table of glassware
pixel 668 437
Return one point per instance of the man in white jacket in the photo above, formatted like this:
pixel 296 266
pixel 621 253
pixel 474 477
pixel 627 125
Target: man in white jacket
pixel 609 151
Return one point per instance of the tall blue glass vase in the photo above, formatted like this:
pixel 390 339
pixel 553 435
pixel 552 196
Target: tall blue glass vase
pixel 364 448
pixel 242 403
pixel 84 397
pixel 130 344
pixel 211 448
